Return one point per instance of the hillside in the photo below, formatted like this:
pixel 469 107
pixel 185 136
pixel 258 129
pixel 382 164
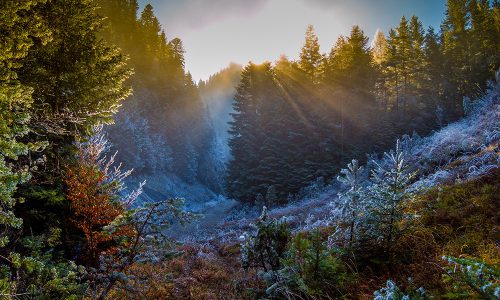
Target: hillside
pixel 459 152
pixel 457 186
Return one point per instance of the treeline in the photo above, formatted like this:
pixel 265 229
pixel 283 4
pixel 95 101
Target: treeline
pixel 165 123
pixel 296 121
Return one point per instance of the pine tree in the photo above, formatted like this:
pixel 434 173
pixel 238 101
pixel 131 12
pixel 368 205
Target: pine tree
pixel 150 29
pixel 380 53
pixel 456 49
pixel 433 83
pixel 308 151
pixel 78 81
pixel 387 197
pixel 310 56
pixel 416 61
pixel 398 63
pixel 351 62
pixel 245 138
pixel 379 47
pixel 19 29
pixel 351 71
pixel 484 43
pixel 351 199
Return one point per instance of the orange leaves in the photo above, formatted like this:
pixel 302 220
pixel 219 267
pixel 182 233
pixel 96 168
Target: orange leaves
pixel 93 200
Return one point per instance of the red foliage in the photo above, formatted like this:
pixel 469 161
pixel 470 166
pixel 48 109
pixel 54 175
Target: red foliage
pixel 93 203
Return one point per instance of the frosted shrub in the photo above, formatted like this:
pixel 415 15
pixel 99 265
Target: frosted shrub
pixel 392 292
pixel 387 196
pixel 479 276
pixel 267 245
pixel 350 201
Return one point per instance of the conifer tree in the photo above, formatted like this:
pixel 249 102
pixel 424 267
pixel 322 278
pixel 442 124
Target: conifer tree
pixel 245 140
pixel 78 81
pixel 351 62
pixel 456 49
pixel 351 199
pixel 484 43
pixel 379 47
pixel 307 124
pixel 150 29
pixel 387 196
pixel 351 71
pixel 18 30
pixel 310 56
pixel 398 63
pixel 433 82
pixel 417 59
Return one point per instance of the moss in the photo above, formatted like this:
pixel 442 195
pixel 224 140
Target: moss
pixel 464 217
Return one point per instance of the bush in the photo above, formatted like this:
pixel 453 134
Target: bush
pixel 392 292
pixel 293 267
pixel 312 269
pixel 40 274
pixel 267 246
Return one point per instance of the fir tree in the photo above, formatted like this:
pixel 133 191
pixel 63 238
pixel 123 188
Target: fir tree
pixel 456 49
pixel 379 47
pixel 77 81
pixel 416 61
pixel 310 57
pixel 19 29
pixel 245 137
pixel 387 197
pixel 351 72
pixel 351 199
pixel 484 43
pixel 433 82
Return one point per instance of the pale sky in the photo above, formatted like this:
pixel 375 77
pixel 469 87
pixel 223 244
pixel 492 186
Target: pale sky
pixel 217 32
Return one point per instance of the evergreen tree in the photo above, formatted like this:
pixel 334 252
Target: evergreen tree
pixel 433 82
pixel 351 72
pixel 310 57
pixel 165 97
pixel 387 196
pixel 308 149
pixel 244 141
pixel 416 61
pixel 18 31
pixel 351 199
pixel 77 82
pixel 398 63
pixel 379 47
pixel 485 44
pixel 456 49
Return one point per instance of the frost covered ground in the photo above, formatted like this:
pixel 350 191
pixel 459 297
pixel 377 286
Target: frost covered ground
pixel 461 151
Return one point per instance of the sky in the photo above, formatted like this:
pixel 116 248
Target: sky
pixel 218 32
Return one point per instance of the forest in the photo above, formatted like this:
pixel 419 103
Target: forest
pixel 370 171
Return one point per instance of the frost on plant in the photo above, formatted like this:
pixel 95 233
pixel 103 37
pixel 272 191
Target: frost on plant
pixel 350 200
pixel 391 179
pixel 482 278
